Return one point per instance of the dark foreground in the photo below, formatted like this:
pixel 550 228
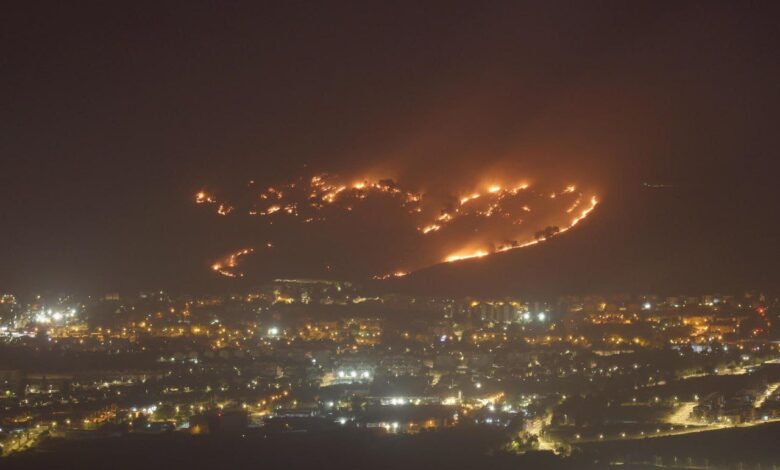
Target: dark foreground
pixel 747 448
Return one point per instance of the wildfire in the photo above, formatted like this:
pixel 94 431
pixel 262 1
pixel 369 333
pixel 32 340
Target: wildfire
pixel 226 266
pixel 593 202
pixel 391 275
pixel 574 206
pixel 203 197
pixel 466 199
pixel 461 255
pixel 224 209
pixel 490 217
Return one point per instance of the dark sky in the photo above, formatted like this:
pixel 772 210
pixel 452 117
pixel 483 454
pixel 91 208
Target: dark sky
pixel 115 113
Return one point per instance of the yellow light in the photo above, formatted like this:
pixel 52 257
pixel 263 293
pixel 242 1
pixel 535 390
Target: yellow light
pixel 459 257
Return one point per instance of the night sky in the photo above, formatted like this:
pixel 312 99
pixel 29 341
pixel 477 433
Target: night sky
pixel 115 113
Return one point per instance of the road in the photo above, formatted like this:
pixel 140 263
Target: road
pixel 24 440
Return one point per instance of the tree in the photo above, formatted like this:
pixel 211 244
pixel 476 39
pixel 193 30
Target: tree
pixel 548 232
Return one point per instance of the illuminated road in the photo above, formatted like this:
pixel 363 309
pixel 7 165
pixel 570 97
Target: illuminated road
pixel 536 427
pixel 767 393
pixel 24 440
pixel 720 372
pixel 682 415
pixel 681 419
pixel 675 432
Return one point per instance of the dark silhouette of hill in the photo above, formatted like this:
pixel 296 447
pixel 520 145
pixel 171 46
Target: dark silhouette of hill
pixel 679 239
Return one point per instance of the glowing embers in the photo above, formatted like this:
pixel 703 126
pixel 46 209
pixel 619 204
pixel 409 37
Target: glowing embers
pixel 449 224
pixel 227 266
pixel 202 197
pixel 462 256
pixel 390 275
pixel 585 212
pixel 495 194
pixel 540 236
pixel 224 209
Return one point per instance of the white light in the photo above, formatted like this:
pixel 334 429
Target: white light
pixel 273 331
pixel 365 375
pixel 478 385
pixel 352 374
pixel 647 306
pixel 341 374
pixel 527 316
pixel 443 338
pixel 342 420
pixel 57 316
pixel 541 316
